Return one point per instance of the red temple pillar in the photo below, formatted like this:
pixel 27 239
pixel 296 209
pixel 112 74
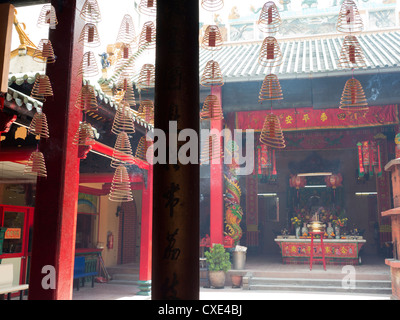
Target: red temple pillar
pixel 53 243
pixel 146 236
pixel 217 185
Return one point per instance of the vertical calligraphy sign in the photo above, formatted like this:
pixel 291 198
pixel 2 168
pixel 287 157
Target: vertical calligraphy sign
pixel 252 210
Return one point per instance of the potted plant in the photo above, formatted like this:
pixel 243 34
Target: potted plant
pixel 219 263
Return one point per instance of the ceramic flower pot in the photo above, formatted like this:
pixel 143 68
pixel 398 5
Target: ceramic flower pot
pixel 236 281
pixel 217 279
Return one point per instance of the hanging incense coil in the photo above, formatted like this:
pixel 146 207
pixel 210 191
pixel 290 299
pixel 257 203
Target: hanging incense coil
pixel 122 153
pixel 148 7
pixel 270 53
pixel 271 89
pixel 147 37
pixel 212 109
pixel 85 135
pixel 353 97
pixel 272 135
pixel 87 100
pixel 42 88
pixel 212 75
pixel 349 20
pixel 44 52
pixel 212 5
pixel 147 77
pixel 36 165
pixel 352 55
pixel 125 86
pixel 123 120
pixel 121 186
pixel 125 64
pixel 142 148
pixel 212 150
pixel 39 126
pixel 146 111
pixel 91 12
pixel 90 36
pixel 127 32
pixel 47 17
pixel 212 39
pixel 89 67
pixel 270 20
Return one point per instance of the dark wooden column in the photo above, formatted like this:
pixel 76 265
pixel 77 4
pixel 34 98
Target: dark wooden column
pixel 54 227
pixel 175 263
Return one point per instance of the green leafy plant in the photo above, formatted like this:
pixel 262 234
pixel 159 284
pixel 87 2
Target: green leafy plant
pixel 218 259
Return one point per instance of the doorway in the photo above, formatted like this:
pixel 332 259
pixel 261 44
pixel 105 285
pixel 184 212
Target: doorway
pixel 127 233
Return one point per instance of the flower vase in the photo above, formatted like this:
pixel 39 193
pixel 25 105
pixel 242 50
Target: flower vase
pixel 337 232
pixel 304 230
pixel 329 230
pixel 297 232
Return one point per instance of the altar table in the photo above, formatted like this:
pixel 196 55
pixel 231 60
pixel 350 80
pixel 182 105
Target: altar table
pixel 337 251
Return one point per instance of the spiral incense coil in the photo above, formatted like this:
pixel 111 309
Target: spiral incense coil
pixel 85 135
pixel 147 37
pixel 42 88
pixel 212 39
pixel 212 5
pixel 212 109
pixel 148 7
pixel 123 120
pixel 353 97
pixel 142 148
pixel 125 85
pixel 127 65
pixel 352 55
pixel 272 135
pixel 36 165
pixel 121 186
pixel 91 12
pixel 212 75
pixel 122 153
pixel 89 67
pixel 270 53
pixel 147 77
pixel 87 100
pixel 47 17
pixel 349 20
pixel 127 32
pixel 44 52
pixel 39 126
pixel 271 89
pixel 146 111
pixel 212 150
pixel 270 20
pixel 90 36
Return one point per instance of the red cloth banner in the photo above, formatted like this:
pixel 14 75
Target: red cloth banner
pixel 313 119
pixel 252 211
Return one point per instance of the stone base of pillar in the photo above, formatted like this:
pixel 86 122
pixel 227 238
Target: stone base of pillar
pixel 145 288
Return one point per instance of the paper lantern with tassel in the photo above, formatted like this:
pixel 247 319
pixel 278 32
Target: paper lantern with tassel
pixel 147 37
pixel 349 20
pixel 212 152
pixel 212 75
pixel 122 154
pixel 85 135
pixel 147 77
pixel 39 126
pixel 91 11
pixel 123 120
pixel 36 165
pixel 47 17
pixel 44 52
pixel 87 100
pixel 353 97
pixel 212 39
pixel 42 88
pixel 90 36
pixel 121 186
pixel 212 5
pixel 351 55
pixel 270 54
pixel 266 162
pixel 212 109
pixel 89 67
pixel 127 32
pixel 270 19
pixel 148 7
pixel 272 134
pixel 297 182
pixel 271 89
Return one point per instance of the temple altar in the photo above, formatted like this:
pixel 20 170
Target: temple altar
pixel 337 251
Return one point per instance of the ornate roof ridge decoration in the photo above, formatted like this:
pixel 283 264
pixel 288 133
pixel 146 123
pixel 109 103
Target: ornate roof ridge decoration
pixel 270 20
pixel 212 39
pixel 349 20
pixel 353 97
pixel 23 37
pixel 91 11
pixel 272 135
pixel 352 55
pixel 212 5
pixel 271 89
pixel 148 7
pixel 212 75
pixel 21 99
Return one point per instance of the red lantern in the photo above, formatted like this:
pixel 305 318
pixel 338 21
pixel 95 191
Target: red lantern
pixel 334 181
pixel 297 182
